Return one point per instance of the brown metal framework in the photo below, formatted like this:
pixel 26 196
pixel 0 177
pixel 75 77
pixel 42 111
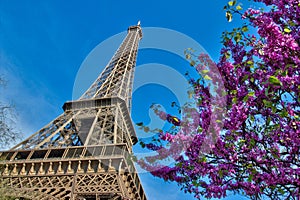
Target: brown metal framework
pixel 85 152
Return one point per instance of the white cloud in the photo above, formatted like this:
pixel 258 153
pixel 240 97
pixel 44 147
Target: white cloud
pixel 30 98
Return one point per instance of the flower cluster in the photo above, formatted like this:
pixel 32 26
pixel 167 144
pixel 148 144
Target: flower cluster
pixel 248 143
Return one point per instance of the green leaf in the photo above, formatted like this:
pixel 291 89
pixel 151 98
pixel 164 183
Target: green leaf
pixel 234 100
pixel 283 113
pixel 179 164
pixel 287 30
pixel 206 77
pixel 268 121
pixel 134 158
pixel 291 23
pixel 285 73
pixel 239 7
pixel 139 124
pixel 274 80
pixel 190 94
pixel 242 141
pixel 205 71
pixel 245 28
pixel 267 91
pixel 231 3
pixel 251 94
pixel 187 56
pixel 146 129
pixel 238 37
pixel 203 159
pixel 252 142
pixel 245 99
pixel 249 166
pixel 250 62
pixel 228 16
pixel 250 177
pixel 195 183
pixel 281 191
pixel 224 93
pixel 267 103
pixel 274 109
pixel 192 63
pixel 142 144
pixel 227 55
pixel 221 173
pixel 245 78
pixel 275 155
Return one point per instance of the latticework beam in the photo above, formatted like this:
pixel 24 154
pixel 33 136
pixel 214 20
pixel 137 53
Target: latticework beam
pixel 85 152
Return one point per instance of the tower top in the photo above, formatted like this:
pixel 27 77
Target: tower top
pixel 136 28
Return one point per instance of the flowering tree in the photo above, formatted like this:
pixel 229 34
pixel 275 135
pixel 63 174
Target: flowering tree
pixel 251 145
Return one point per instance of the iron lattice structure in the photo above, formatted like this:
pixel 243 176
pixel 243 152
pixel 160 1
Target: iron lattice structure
pixel 85 152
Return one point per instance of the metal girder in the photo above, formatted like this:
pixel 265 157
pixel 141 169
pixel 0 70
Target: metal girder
pixel 85 152
pixel 107 173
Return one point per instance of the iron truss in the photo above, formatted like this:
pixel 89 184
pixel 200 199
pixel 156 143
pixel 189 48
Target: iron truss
pixel 85 153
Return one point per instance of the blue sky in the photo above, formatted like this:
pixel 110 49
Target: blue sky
pixel 43 46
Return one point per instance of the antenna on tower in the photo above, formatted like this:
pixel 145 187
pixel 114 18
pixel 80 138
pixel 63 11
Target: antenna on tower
pixel 139 23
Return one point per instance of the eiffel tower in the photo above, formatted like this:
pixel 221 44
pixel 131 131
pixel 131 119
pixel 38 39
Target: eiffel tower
pixel 85 152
